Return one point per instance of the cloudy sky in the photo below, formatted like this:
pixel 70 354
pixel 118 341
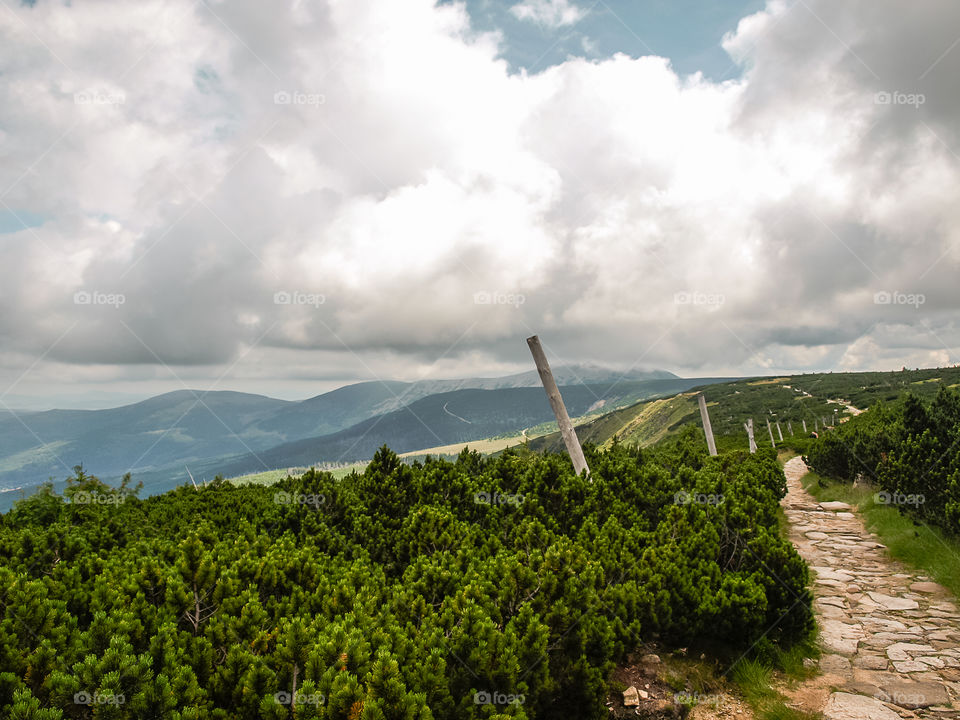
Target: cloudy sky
pixel 284 197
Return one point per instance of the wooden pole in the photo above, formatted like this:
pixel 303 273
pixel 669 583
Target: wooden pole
pixel 816 426
pixel 559 409
pixel 804 426
pixel 790 428
pixel 749 427
pixel 707 428
pixel 770 430
pixel 779 431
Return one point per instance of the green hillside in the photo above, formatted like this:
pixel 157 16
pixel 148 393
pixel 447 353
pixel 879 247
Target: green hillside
pixel 791 400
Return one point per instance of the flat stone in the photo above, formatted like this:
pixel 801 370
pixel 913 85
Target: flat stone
pixel 893 603
pixel 631 697
pixel 926 587
pixel 846 706
pixel 834 505
pixel 913 695
pixel 871 662
pixel 816 535
pixel 903 650
pixel 909 666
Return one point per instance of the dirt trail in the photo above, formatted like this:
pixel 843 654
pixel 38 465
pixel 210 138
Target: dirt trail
pixel 890 637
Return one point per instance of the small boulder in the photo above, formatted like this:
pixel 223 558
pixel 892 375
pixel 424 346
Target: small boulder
pixel 631 697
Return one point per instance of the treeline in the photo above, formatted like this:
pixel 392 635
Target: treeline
pixel 480 588
pixel 909 448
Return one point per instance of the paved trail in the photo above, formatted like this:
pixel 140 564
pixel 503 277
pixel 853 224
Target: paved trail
pixel 890 637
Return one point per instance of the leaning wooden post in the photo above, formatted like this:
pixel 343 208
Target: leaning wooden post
pixel 816 426
pixel 779 431
pixel 559 410
pixel 749 427
pixel 804 426
pixel 707 429
pixel 770 430
pixel 790 428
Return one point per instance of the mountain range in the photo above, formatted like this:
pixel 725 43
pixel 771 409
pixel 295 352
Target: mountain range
pixel 231 433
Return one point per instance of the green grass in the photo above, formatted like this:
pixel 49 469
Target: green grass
pixel 756 682
pixel 269 477
pixel 915 543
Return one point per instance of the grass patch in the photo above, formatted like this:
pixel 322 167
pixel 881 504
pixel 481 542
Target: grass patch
pixel 913 542
pixel 756 682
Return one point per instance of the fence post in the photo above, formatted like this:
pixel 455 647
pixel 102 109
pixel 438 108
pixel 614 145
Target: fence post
pixel 707 428
pixel 779 431
pixel 559 409
pixel 749 427
pixel 770 430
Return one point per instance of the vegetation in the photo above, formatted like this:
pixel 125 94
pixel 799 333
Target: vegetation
pixel 480 588
pixel 931 550
pixel 908 449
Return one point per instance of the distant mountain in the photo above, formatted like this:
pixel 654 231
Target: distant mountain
pixel 156 438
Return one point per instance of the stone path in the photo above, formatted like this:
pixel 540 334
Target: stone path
pixel 890 637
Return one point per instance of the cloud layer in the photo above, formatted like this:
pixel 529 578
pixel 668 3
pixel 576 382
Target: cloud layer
pixel 335 190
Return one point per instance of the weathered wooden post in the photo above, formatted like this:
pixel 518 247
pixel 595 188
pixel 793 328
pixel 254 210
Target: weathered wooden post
pixel 834 418
pixel 770 430
pixel 804 426
pixel 749 428
pixel 779 431
pixel 559 409
pixel 790 428
pixel 816 426
pixel 707 429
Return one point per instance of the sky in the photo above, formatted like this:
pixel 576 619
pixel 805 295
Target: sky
pixel 286 197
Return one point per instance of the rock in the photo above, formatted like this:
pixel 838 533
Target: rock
pixel 926 587
pixel 845 706
pixel 913 695
pixel 893 603
pixel 909 666
pixel 871 662
pixel 903 651
pixel 631 697
pixel 650 659
pixel 834 505
pixel 643 694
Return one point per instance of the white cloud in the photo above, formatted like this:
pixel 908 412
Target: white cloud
pixel 597 189
pixel 551 13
